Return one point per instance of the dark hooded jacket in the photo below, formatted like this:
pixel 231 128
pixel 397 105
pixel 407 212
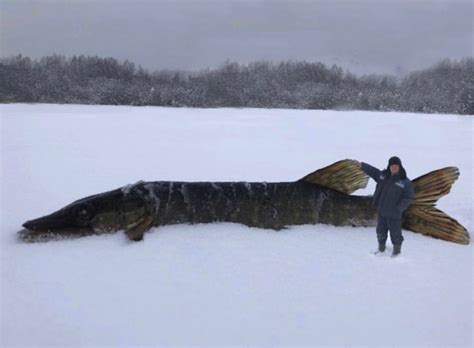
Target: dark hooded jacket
pixel 393 193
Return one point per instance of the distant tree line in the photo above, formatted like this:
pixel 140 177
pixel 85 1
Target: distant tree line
pixel 447 87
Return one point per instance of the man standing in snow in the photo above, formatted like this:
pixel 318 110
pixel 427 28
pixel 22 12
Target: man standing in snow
pixel 393 195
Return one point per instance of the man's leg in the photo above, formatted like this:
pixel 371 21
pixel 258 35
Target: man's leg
pixel 382 231
pixel 395 227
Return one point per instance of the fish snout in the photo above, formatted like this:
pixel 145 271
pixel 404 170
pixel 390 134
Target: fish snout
pixel 44 224
pixel 30 225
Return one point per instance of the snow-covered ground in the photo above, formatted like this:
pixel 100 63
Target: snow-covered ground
pixel 226 284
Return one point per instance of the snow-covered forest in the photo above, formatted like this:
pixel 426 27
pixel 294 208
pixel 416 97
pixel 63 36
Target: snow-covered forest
pixel 446 87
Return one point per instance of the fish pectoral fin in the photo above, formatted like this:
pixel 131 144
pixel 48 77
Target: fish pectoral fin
pixel 344 176
pixel 136 231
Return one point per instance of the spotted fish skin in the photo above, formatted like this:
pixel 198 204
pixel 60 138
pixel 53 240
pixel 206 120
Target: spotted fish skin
pixel 264 205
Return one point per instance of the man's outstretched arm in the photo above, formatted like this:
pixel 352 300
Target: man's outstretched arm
pixel 373 172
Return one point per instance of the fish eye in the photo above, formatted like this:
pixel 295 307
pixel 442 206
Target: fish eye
pixel 84 212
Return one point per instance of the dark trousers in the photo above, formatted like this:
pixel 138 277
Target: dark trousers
pixel 394 225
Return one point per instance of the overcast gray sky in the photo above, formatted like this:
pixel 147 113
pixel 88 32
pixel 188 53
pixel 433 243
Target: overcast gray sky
pixel 364 36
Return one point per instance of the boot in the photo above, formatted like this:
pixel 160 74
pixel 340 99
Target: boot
pixel 397 249
pixel 381 246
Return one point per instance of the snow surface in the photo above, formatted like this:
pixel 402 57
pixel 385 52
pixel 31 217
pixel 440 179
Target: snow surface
pixel 226 284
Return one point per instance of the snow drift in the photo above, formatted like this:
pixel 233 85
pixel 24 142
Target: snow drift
pixel 226 284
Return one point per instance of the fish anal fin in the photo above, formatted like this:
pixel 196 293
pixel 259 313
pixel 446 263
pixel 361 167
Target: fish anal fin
pixel 344 176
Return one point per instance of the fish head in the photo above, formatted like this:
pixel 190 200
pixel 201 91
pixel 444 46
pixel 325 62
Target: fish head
pixel 98 214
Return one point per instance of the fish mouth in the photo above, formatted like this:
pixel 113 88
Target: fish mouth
pixel 50 228
pixel 36 236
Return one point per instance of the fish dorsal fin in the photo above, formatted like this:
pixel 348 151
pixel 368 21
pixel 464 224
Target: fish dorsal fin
pixel 344 176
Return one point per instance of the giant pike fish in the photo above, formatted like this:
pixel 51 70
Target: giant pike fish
pixel 321 197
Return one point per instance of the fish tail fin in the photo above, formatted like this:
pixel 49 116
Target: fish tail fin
pixel 343 176
pixel 424 218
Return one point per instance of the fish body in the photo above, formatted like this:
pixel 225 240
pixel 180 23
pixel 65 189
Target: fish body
pixel 255 204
